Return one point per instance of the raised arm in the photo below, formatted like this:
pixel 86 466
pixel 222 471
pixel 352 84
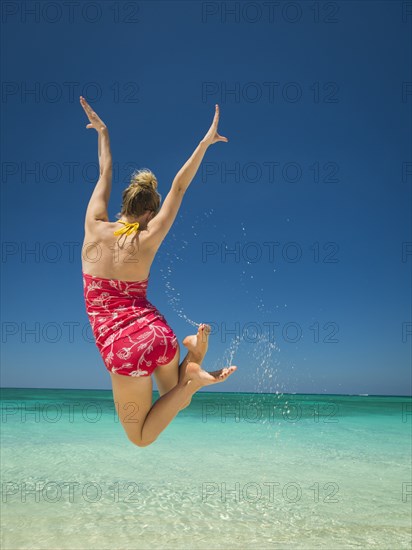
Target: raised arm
pixel 159 226
pixel 97 208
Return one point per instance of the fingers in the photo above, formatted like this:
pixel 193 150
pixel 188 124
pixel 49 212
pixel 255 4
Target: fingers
pixel 217 114
pixel 87 111
pixel 84 103
pixel 86 107
pixel 90 111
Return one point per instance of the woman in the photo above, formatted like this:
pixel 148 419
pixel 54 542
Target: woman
pixel 132 336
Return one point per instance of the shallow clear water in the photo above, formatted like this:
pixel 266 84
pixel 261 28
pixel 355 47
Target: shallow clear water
pixel 231 471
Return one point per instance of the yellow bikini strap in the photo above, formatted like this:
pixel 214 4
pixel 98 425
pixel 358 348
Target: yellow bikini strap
pixel 128 228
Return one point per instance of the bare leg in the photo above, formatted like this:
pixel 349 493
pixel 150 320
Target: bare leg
pixel 197 345
pixel 166 407
pixel 144 422
pixel 167 376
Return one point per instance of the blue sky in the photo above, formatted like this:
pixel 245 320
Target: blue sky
pixel 312 191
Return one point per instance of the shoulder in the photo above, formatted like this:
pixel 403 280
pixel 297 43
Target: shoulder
pixel 99 229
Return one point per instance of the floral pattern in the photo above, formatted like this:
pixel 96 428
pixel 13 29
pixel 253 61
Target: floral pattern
pixel 132 336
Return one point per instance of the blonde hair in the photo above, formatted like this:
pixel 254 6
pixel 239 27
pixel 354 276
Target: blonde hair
pixel 140 195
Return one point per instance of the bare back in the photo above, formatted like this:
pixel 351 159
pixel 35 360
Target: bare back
pixel 125 258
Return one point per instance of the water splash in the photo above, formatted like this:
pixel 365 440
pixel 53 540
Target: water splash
pixel 267 377
pixel 178 255
pixel 263 353
pixel 230 352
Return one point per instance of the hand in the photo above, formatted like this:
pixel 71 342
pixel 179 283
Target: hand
pixel 212 136
pixel 95 121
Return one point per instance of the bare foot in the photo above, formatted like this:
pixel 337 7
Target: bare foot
pixel 198 377
pixel 198 343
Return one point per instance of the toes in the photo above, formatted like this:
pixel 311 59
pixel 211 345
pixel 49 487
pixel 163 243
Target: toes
pixel 226 371
pixel 204 332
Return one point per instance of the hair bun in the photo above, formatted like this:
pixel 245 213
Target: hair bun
pixel 144 177
pixel 141 194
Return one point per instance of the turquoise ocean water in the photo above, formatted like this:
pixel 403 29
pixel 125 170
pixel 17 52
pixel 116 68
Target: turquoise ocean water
pixel 231 471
